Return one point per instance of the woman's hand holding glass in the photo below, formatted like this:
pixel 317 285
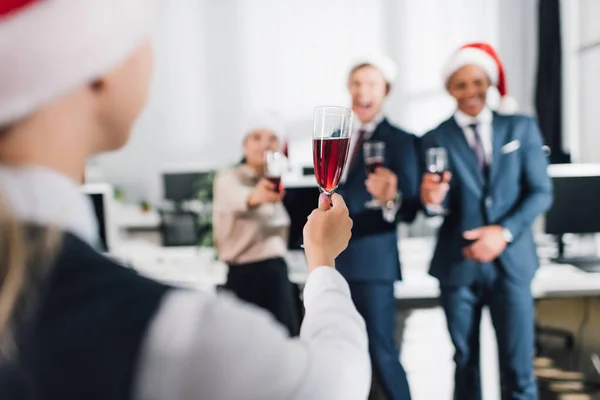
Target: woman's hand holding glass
pixel 327 231
pixel 265 192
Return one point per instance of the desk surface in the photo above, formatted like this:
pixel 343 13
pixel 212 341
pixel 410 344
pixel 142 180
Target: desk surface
pixel 196 267
pixel 131 216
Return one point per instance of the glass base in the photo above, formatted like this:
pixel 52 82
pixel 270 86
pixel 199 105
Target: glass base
pixel 373 204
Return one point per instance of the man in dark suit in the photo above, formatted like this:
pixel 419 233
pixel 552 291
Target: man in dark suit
pixel 371 261
pixel 496 186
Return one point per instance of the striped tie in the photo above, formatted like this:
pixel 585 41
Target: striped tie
pixel 478 148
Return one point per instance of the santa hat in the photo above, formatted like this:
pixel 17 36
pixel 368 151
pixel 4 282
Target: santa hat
pixel 50 47
pixel 383 63
pixel 484 56
pixel 268 119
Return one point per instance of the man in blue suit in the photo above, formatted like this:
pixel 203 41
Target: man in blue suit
pixel 371 261
pixel 496 186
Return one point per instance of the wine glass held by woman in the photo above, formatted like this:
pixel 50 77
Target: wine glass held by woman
pixel 262 136
pixel 59 296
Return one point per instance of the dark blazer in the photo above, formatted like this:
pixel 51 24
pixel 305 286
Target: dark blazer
pixel 372 254
pixel 83 335
pixel 518 191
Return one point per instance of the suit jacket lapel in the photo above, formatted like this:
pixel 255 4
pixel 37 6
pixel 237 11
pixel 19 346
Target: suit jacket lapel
pixel 466 158
pixel 499 134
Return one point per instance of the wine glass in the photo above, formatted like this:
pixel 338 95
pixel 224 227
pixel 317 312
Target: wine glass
pixel 332 127
pixel 274 166
pixel 374 154
pixel 437 163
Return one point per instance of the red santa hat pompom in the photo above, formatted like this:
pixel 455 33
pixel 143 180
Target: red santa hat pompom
pixel 49 47
pixel 484 56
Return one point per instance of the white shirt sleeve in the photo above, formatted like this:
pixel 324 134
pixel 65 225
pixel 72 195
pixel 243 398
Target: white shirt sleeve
pixel 214 347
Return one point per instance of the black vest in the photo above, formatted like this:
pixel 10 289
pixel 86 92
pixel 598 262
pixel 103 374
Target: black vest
pixel 83 340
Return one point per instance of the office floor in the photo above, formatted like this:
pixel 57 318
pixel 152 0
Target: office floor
pixel 427 354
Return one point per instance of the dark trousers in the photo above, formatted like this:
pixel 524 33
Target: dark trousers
pixel 377 304
pixel 265 284
pixel 511 310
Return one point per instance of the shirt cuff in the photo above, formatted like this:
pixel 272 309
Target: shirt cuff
pixel 323 279
pixel 434 209
pixel 389 213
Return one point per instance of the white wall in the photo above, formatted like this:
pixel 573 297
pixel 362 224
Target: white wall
pixel 518 25
pixel 421 36
pixel 174 124
pixel 217 62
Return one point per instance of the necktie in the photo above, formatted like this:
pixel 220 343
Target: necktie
pixel 356 151
pixel 478 148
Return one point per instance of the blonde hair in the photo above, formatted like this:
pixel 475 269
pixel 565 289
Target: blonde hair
pixel 25 254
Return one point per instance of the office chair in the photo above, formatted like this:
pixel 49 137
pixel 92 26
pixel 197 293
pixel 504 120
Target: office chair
pixel 567 337
pixel 179 228
pixel 541 331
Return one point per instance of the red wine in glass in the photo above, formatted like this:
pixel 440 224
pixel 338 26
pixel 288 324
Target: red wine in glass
pixel 332 127
pixel 274 168
pixel 275 180
pixel 329 156
pixel 438 171
pixel 372 165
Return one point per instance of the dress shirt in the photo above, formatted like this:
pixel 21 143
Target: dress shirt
pixel 202 345
pixel 484 128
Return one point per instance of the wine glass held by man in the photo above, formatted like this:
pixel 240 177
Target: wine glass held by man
pixel 75 324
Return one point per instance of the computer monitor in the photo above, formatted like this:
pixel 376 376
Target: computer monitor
pixel 576 206
pixel 180 185
pixel 299 203
pixel 102 198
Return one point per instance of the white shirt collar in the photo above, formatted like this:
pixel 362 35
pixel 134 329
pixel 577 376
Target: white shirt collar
pixel 369 127
pixel 42 196
pixel 463 120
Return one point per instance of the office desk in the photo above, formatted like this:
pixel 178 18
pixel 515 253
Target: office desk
pixel 197 268
pixel 131 216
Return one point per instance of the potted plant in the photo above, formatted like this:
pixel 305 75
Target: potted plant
pixel 144 206
pixel 204 194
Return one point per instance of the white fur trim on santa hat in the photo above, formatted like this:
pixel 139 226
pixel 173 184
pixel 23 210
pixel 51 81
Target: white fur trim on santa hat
pixel 382 63
pixel 53 47
pixel 472 56
pixel 269 120
pixel 508 105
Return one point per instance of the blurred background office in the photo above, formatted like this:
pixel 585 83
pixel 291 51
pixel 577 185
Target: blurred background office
pixel 219 62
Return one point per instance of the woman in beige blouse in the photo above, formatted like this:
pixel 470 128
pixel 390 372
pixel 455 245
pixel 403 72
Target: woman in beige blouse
pixel 251 226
